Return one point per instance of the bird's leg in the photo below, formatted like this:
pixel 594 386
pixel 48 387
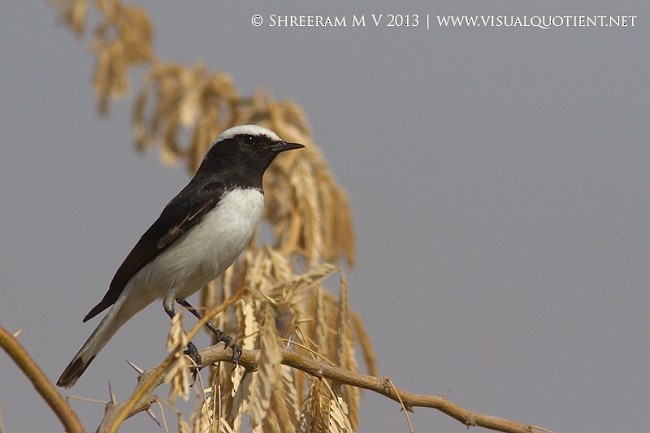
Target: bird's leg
pixel 219 334
pixel 192 351
pixel 199 316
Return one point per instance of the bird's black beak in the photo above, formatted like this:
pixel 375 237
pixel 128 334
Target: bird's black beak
pixel 282 146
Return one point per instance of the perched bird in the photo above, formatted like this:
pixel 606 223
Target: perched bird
pixel 198 235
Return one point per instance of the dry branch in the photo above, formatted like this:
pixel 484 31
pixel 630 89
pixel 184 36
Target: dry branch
pixel 41 383
pixel 380 385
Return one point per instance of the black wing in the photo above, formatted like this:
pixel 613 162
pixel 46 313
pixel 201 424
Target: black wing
pixel 182 213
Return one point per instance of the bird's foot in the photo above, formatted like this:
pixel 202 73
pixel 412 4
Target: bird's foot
pixel 194 354
pixel 229 342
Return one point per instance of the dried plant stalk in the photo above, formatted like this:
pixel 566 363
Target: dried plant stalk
pixel 268 375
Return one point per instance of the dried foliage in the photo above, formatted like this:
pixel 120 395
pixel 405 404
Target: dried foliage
pixel 304 377
pixel 286 308
pixel 180 110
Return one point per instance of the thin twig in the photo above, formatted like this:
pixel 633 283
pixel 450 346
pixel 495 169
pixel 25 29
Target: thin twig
pixel 406 412
pixel 162 415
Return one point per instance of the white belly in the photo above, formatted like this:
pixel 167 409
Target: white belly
pixel 205 251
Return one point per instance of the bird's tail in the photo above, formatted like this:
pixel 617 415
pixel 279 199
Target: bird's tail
pixel 96 342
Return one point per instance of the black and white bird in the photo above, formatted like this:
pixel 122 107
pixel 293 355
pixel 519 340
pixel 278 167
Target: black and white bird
pixel 198 235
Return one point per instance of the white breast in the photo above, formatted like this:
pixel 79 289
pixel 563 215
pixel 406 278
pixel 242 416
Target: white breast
pixel 206 250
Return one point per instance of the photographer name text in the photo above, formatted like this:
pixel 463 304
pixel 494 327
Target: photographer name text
pixel 427 21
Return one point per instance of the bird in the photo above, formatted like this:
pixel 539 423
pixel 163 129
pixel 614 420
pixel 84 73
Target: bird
pixel 198 235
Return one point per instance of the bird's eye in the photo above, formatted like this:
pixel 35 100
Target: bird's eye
pixel 249 139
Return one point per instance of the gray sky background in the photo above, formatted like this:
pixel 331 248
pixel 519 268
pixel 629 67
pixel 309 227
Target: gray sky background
pixel 498 178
